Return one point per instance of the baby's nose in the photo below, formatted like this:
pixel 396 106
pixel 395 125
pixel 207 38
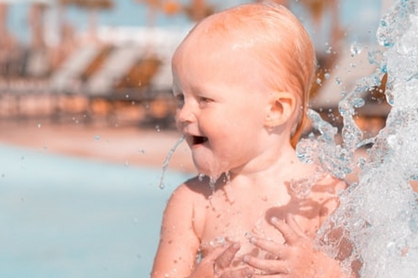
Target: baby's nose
pixel 185 115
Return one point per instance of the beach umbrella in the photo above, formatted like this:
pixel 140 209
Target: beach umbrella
pixel 35 18
pixel 281 2
pixel 3 19
pixel 89 4
pixel 7 40
pixel 92 6
pixel 195 10
pixel 154 6
pixel 48 2
pixel 198 10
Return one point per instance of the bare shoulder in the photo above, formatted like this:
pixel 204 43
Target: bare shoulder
pixel 189 201
pixel 326 192
pixel 180 236
pixel 330 185
pixel 194 190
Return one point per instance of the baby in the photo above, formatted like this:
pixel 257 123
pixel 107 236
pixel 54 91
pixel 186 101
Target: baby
pixel 242 79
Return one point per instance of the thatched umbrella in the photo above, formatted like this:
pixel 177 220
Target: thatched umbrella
pixel 3 19
pixel 9 49
pixel 196 10
pixel 317 9
pixel 92 6
pixel 281 2
pixel 36 18
pixel 154 6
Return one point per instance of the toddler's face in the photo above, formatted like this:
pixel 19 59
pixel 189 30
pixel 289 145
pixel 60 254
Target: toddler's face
pixel 222 103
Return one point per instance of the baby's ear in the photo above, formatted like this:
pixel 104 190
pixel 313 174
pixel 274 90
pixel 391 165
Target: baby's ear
pixel 281 108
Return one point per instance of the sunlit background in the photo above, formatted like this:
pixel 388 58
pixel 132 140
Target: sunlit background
pixel 86 122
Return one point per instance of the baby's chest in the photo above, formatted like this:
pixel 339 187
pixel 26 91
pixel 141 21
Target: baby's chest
pixel 221 233
pixel 238 225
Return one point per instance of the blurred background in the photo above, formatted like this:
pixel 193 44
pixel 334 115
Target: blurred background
pixel 86 121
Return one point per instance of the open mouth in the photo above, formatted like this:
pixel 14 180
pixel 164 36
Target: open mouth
pixel 199 140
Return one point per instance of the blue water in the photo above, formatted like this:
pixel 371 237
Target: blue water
pixel 65 217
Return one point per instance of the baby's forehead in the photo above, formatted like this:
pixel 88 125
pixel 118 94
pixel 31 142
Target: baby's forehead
pixel 213 36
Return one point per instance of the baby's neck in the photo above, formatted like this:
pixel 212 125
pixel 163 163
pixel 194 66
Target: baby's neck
pixel 276 163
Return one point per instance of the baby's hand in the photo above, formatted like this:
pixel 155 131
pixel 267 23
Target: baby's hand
pixel 222 264
pixel 296 258
pixel 218 265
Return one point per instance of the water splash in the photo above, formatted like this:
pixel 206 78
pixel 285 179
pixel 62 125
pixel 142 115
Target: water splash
pixel 334 158
pixel 302 187
pixel 167 161
pixel 378 216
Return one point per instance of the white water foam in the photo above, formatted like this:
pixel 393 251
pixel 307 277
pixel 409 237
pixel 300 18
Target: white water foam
pixel 378 215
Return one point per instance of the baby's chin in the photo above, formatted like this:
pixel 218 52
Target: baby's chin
pixel 213 172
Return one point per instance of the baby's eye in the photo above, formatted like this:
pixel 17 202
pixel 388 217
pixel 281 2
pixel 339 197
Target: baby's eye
pixel 179 99
pixel 205 100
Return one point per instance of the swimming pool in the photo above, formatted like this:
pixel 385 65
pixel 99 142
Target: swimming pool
pixel 65 217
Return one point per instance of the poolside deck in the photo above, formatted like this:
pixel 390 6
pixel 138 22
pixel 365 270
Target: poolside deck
pixel 127 144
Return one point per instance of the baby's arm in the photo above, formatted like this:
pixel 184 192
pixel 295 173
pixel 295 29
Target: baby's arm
pixel 179 244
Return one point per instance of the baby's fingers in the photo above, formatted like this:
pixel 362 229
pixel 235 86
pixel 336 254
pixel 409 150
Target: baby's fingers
pixel 239 273
pixel 289 234
pixel 226 257
pixel 268 267
pixel 280 251
pixel 290 220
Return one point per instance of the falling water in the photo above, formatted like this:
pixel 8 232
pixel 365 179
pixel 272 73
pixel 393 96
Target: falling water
pixel 167 161
pixel 379 214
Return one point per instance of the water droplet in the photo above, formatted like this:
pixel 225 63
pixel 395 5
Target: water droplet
pixel 157 128
pixel 212 182
pixel 219 241
pixel 329 50
pixel 227 177
pixel 39 125
pixel 355 49
pixel 97 137
pixel 327 76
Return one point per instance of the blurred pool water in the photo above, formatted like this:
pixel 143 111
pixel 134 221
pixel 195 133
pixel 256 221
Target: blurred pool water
pixel 65 217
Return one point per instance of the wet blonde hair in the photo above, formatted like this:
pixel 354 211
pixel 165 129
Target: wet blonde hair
pixel 274 34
